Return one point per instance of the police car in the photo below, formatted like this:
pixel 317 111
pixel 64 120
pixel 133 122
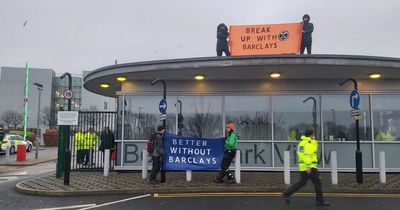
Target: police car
pixel 13 140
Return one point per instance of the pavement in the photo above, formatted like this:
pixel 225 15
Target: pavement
pixel 94 183
pixel 46 154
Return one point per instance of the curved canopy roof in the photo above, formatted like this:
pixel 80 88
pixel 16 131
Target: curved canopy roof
pixel 244 68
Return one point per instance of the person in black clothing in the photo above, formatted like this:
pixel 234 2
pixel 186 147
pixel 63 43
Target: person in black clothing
pixel 306 40
pixel 222 43
pixel 107 140
pixel 157 154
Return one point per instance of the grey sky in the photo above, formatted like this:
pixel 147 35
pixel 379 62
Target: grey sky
pixel 77 35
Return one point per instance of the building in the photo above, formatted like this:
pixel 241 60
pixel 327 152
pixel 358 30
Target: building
pixel 12 93
pixel 272 100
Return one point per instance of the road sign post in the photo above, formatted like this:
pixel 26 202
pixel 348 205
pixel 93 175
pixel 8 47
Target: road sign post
pixel 163 110
pixel 354 104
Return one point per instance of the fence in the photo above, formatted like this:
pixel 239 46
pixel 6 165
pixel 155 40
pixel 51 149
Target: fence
pixel 85 140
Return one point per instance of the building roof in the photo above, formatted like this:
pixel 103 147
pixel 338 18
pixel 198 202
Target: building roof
pixel 245 68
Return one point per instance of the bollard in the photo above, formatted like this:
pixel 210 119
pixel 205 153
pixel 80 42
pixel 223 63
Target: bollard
pixel 286 165
pixel 145 163
pixel 188 176
pixel 106 162
pixel 237 167
pixel 334 171
pixel 382 167
pixel 8 153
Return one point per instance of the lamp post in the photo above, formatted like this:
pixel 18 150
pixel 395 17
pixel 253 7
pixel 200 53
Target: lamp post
pixel 40 88
pixel 140 122
pixel 67 132
pixel 358 151
pixel 333 115
pixel 314 113
pixel 180 118
pixel 163 175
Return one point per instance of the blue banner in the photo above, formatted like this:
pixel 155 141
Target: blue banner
pixel 191 153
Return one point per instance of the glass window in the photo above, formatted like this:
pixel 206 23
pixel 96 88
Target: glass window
pixel 386 111
pixel 339 125
pixel 202 116
pixel 294 114
pixel 251 115
pixel 142 116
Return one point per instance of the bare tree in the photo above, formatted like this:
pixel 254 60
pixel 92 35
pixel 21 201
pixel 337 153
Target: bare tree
pixel 12 118
pixel 203 122
pixel 45 117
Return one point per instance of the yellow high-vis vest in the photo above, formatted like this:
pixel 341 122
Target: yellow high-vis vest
pixel 307 153
pixel 79 140
pixel 90 140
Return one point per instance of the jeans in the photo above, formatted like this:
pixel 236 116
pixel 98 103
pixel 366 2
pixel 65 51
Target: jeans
pixel 156 167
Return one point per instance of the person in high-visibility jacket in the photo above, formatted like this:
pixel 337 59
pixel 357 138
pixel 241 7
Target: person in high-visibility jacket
pixel 79 146
pixel 308 160
pixel 91 139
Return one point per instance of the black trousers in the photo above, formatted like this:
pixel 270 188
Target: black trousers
pixel 305 45
pixel 226 162
pixel 226 51
pixel 156 167
pixel 80 155
pixel 304 177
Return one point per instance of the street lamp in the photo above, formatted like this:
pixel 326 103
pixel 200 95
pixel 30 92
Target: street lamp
pixel 40 88
pixel 359 168
pixel 163 175
pixel 140 122
pixel 333 115
pixel 67 149
pixel 314 113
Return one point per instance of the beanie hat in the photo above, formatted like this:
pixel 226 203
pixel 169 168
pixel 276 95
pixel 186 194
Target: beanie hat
pixel 231 126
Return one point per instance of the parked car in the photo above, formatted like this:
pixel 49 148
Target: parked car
pixel 13 140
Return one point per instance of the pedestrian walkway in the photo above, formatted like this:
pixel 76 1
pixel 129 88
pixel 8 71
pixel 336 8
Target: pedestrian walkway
pixel 45 154
pixel 94 183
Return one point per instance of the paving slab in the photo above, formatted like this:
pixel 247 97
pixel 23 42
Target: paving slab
pixel 94 183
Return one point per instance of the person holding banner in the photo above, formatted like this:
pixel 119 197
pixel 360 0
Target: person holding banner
pixel 157 154
pixel 229 153
pixel 222 43
pixel 306 39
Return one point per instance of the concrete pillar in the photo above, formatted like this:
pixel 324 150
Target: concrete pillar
pixel 382 167
pixel 334 170
pixel 286 166
pixel 145 164
pixel 106 162
pixel 188 176
pixel 237 167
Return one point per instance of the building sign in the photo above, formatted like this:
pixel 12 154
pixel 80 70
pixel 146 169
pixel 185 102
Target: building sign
pixel 67 118
pixel 191 153
pixel 265 39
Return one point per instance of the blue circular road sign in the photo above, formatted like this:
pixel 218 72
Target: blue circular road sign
pixel 162 106
pixel 354 99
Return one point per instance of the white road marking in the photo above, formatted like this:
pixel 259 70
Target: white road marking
pixel 70 207
pixel 8 177
pixel 21 174
pixel 119 201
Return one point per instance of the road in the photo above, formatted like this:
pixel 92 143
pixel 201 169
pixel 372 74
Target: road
pixel 10 199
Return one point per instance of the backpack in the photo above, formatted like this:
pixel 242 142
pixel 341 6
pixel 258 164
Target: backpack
pixel 150 143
